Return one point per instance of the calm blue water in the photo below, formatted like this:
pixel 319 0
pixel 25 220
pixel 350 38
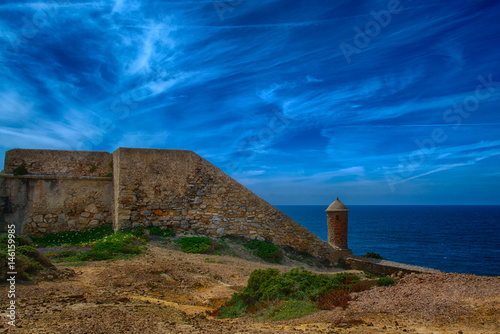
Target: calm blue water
pixel 463 239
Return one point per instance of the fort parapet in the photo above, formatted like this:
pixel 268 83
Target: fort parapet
pixel 77 190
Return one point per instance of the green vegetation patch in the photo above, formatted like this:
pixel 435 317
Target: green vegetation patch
pixel 197 245
pixel 21 170
pixel 385 281
pixel 161 232
pixel 96 244
pixel 73 237
pixel 372 255
pixel 26 259
pixel 266 250
pixel 290 309
pixel 118 245
pixel 293 294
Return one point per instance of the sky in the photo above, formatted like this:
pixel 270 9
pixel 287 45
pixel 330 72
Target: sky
pixel 376 102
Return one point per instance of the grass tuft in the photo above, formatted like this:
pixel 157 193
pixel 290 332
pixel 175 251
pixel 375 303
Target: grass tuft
pixel 385 281
pixel 266 250
pixel 197 245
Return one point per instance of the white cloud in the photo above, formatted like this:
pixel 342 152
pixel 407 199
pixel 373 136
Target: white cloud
pixel 14 109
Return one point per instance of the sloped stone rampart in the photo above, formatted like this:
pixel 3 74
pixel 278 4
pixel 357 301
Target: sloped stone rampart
pixel 181 190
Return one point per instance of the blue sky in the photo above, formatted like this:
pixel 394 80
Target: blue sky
pixel 377 102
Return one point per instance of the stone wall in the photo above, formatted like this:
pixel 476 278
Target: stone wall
pixel 59 162
pixel 181 190
pixel 55 204
pixel 63 190
pixel 172 188
pixel 383 267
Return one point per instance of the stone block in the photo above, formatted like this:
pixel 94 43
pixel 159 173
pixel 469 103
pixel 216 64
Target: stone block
pixel 62 218
pixel 99 216
pixel 92 208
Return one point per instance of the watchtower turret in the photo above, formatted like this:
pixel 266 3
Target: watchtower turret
pixel 337 224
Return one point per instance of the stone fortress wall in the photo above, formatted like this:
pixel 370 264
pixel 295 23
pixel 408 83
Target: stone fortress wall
pixel 73 190
pixel 63 190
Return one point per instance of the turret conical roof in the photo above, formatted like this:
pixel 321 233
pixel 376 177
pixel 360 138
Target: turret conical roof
pixel 337 206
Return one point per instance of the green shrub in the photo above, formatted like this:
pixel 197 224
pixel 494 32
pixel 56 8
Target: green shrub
pixel 372 255
pixel 117 245
pixel 73 237
pixel 27 259
pixel 265 250
pixel 138 231
pixel 161 232
pixel 197 245
pixel 235 308
pixel 20 240
pixel 34 254
pixel 21 170
pixel 293 294
pixel 291 309
pixel 92 169
pixel 385 281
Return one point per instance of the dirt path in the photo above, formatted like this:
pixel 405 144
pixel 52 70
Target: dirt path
pixel 166 291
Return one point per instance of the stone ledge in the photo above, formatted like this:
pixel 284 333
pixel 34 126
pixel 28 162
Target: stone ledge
pixel 384 267
pixel 57 177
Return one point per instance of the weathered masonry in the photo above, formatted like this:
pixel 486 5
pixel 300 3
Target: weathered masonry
pixel 77 190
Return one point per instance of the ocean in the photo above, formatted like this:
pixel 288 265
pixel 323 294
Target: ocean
pixel 461 239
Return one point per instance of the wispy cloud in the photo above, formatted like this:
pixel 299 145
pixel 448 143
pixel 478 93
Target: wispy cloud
pixel 268 86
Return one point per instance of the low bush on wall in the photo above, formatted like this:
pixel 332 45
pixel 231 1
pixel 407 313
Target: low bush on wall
pixel 372 255
pixel 21 170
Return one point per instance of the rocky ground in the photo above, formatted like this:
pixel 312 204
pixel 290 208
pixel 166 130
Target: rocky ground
pixel 167 291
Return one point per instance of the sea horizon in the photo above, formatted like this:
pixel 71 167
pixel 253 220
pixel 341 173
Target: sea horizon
pixel 451 238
